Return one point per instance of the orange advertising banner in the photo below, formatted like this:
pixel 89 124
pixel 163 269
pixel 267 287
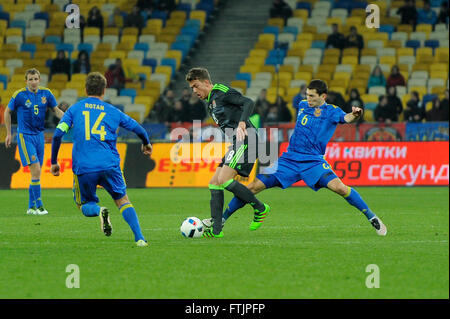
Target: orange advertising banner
pixel 21 179
pixel 188 164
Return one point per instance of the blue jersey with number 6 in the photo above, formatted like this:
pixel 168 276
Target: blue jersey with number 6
pixel 94 124
pixel 314 128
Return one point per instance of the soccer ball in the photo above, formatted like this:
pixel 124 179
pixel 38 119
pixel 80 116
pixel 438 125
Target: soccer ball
pixel 192 227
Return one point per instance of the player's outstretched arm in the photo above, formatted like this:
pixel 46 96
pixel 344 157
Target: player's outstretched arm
pixel 356 113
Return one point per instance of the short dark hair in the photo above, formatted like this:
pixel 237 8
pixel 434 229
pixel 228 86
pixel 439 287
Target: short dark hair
pixel 95 84
pixel 318 85
pixel 32 71
pixel 200 74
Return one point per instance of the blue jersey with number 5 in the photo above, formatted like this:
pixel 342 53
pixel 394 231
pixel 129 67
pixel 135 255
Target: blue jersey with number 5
pixel 31 108
pixel 314 128
pixel 94 124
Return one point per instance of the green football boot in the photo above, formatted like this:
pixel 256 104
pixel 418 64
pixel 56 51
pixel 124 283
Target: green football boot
pixel 259 217
pixel 208 233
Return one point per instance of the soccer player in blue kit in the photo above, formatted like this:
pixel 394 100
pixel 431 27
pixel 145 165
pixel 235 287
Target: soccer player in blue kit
pixel 31 103
pixel 95 160
pixel 304 159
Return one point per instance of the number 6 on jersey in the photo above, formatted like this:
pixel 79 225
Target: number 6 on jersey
pixel 94 129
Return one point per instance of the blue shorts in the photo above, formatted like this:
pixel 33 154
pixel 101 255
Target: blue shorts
pixel 31 148
pixel 85 185
pixel 315 173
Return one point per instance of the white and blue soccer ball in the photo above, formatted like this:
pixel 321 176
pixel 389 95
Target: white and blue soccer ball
pixel 191 227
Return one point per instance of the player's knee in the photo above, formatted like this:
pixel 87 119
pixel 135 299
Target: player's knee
pixel 123 200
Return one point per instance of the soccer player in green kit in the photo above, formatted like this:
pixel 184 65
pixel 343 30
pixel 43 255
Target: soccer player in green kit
pixel 231 111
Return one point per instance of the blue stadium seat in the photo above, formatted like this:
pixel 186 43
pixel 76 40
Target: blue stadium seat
pixel 357 5
pixel 183 47
pixel 186 38
pixel 186 7
pixel 291 29
pixel 18 24
pixel 194 31
pixel 4 80
pixel 274 60
pixel 432 44
pixel 412 44
pixel 4 16
pixel 387 28
pixel 317 44
pixel 205 6
pixel 304 5
pixel 271 30
pixel 142 46
pixel 244 76
pixel 427 98
pixel 88 47
pixel 56 39
pixel 370 106
pixel 277 53
pixel 42 16
pixel 128 92
pixel 193 23
pixel 170 62
pixel 48 63
pixel 157 14
pixel 65 46
pixel 436 3
pixel 153 63
pixel 29 47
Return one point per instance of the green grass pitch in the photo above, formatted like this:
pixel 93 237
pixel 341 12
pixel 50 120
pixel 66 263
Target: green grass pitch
pixel 312 245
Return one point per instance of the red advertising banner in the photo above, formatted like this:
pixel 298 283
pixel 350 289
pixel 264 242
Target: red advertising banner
pixel 388 163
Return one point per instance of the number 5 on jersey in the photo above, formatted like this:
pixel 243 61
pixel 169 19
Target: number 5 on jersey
pixel 94 130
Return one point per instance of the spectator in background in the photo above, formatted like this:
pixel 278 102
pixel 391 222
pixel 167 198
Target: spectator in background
pixel 164 106
pixel 261 104
pixel 335 98
pixel 335 39
pixel 278 112
pixel 195 109
pixel 185 96
pixel 82 64
pixel 177 113
pixel 413 109
pixel 443 13
pixel 384 113
pixel 395 78
pixel 166 5
pixel 394 101
pixel 437 113
pixel 280 9
pixel 426 14
pixel 95 19
pixel 354 40
pixel 60 64
pixel 408 13
pixel 2 111
pixel 134 19
pixel 376 77
pixel 116 19
pixel 300 96
pixel 353 100
pixel 444 106
pixel 115 76
pixel 146 5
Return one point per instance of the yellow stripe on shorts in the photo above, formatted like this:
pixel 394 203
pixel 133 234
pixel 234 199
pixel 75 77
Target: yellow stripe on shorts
pixel 76 189
pixel 24 148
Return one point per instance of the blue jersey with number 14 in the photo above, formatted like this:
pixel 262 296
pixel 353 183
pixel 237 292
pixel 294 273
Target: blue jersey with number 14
pixel 94 124
pixel 314 128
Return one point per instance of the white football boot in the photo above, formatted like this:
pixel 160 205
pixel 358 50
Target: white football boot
pixel 379 226
pixel 41 211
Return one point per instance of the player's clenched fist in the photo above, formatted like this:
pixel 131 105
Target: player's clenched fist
pixel 147 149
pixel 357 111
pixel 55 169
